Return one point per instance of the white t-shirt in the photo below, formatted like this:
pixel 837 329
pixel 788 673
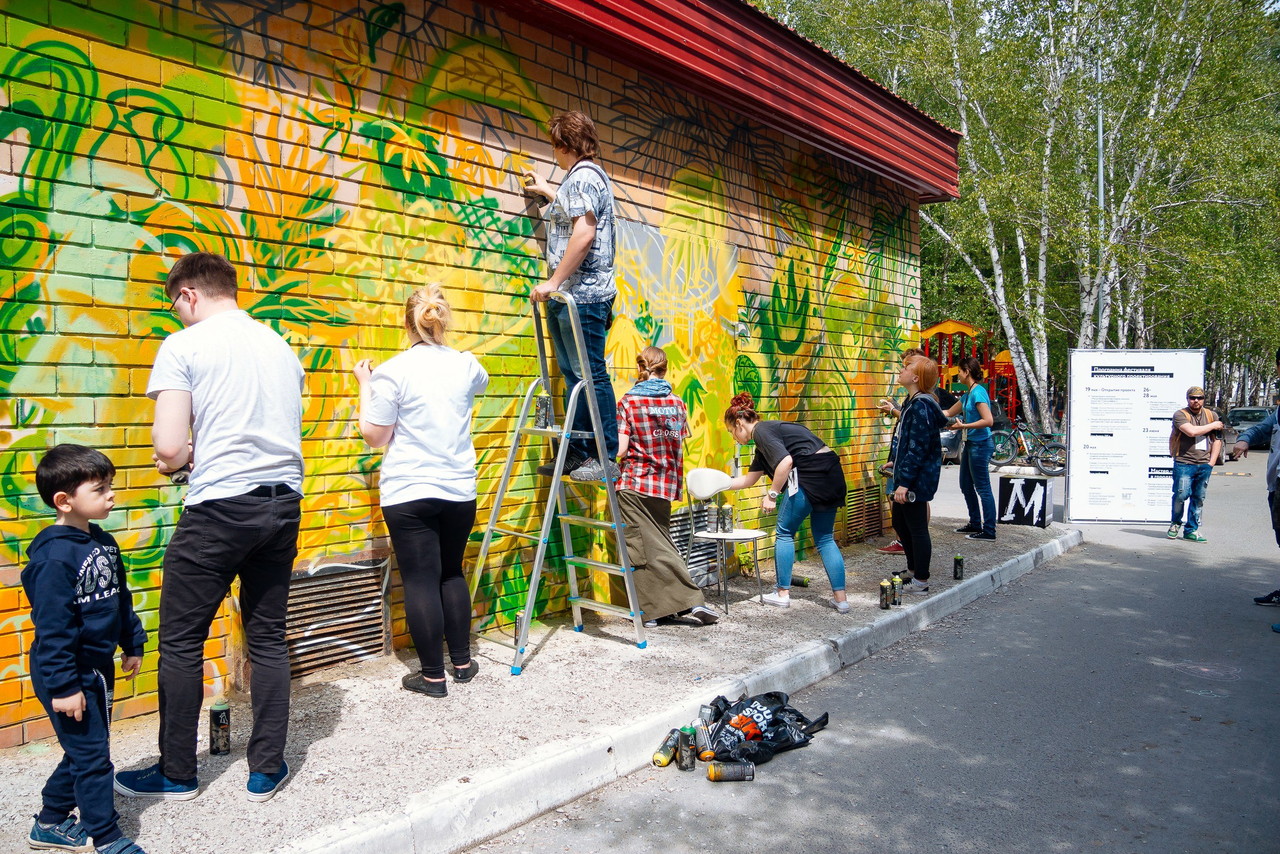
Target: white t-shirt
pixel 426 392
pixel 246 402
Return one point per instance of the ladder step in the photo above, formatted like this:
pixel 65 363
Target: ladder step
pixel 597 605
pixel 612 569
pixel 552 432
pixel 524 535
pixel 588 522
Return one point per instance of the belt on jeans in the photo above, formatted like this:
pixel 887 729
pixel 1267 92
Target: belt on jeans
pixel 271 490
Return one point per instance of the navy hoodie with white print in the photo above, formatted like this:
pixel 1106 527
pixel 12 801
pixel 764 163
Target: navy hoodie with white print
pixel 80 606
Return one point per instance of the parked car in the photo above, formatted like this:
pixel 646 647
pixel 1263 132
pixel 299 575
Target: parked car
pixel 1242 418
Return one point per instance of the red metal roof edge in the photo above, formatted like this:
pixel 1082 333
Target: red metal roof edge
pixel 736 55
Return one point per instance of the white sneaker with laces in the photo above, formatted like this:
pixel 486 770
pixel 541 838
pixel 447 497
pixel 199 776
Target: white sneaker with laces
pixel 915 586
pixel 776 601
pixel 841 607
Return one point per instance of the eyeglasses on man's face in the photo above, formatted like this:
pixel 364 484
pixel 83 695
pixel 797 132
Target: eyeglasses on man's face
pixel 1195 397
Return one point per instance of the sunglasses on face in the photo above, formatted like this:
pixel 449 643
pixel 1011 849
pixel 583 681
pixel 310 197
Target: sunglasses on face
pixel 1195 397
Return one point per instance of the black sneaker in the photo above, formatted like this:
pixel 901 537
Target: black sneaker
pixel 1272 598
pixel 419 684
pixel 979 535
pixel 968 529
pixel 571 462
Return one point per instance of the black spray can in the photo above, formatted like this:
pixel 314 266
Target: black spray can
pixel 957 567
pixel 724 772
pixel 667 750
pixel 886 595
pixel 542 411
pixel 897 590
pixel 686 758
pixel 219 728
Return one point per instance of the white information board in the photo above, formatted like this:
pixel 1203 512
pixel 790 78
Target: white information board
pixel 1120 406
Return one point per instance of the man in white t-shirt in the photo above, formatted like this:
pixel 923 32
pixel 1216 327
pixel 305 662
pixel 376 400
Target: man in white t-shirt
pixel 228 393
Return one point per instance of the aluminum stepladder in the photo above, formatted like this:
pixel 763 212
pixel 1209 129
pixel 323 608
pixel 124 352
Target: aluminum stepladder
pixel 556 506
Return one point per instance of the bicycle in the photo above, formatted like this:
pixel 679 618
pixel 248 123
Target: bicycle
pixel 1049 457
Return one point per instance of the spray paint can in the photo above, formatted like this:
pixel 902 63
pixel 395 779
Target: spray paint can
pixel 726 517
pixel 897 590
pixel 685 757
pixel 957 567
pixel 667 750
pixel 886 595
pixel 542 411
pixel 724 772
pixel 219 728
pixel 713 517
pixel 800 580
pixel 702 740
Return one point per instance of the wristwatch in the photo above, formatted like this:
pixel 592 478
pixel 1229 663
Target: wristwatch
pixel 773 496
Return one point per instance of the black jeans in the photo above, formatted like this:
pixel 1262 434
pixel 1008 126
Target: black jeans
pixel 83 777
pixel 429 537
pixel 254 537
pixel 911 524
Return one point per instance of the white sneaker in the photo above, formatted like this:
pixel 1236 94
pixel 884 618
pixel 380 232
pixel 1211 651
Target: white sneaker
pixel 841 607
pixel 915 586
pixel 776 601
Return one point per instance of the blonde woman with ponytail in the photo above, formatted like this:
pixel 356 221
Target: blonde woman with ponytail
pixel 652 426
pixel 418 405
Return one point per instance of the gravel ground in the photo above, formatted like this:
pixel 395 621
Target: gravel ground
pixel 359 743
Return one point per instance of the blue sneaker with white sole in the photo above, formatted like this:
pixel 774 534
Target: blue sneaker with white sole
pixel 262 787
pixel 152 783
pixel 69 835
pixel 123 845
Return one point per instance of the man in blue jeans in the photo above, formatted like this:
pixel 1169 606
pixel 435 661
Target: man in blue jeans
pixel 1195 443
pixel 581 246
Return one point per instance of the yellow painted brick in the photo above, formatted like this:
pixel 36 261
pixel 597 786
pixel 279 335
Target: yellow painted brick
pixel 136 65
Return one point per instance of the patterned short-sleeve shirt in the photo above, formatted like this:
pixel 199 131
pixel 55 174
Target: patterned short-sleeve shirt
pixel 656 428
pixel 584 189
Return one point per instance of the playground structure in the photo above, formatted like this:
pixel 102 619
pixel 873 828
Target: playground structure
pixel 952 340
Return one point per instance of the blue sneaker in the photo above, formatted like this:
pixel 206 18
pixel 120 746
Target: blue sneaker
pixel 1275 627
pixel 262 787
pixel 70 835
pixel 123 845
pixel 152 783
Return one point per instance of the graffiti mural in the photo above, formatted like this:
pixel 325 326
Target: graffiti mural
pixel 340 155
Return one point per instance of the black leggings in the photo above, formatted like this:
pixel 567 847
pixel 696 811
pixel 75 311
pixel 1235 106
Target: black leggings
pixel 911 524
pixel 429 537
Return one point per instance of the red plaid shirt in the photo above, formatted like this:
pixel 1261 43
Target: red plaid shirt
pixel 656 428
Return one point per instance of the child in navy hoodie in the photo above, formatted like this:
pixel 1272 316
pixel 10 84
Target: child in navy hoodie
pixel 82 611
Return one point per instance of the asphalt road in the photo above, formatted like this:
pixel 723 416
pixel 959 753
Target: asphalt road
pixel 1121 699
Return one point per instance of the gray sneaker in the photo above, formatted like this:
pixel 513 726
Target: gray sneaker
pixel 593 470
pixel 123 845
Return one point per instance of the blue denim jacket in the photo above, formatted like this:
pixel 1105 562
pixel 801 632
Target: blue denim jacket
pixel 1268 425
pixel 918 462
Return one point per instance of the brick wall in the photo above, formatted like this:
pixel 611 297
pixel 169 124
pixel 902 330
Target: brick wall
pixel 342 152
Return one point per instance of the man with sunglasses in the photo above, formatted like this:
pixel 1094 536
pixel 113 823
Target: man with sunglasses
pixel 1195 444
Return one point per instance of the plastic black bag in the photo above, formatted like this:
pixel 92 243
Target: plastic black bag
pixel 756 728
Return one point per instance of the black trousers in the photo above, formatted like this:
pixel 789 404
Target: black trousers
pixel 429 537
pixel 83 777
pixel 253 537
pixel 911 524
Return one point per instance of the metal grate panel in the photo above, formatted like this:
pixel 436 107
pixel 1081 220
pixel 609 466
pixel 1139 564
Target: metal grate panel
pixel 701 559
pixel 338 613
pixel 864 512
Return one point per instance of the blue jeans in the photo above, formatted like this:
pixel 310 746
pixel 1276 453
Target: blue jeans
pixel 975 483
pixel 790 514
pixel 1189 479
pixel 594 318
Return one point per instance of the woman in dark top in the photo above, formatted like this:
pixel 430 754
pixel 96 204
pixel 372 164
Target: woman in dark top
pixel 806 478
pixel 916 467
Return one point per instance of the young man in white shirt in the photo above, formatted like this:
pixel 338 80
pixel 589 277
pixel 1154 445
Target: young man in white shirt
pixel 228 393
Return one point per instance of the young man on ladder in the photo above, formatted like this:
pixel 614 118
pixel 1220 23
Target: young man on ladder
pixel 581 245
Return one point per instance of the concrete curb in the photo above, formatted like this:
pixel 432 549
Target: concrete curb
pixel 452 816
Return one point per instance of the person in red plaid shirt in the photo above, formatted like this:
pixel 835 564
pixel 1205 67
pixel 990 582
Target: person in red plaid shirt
pixel 652 426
